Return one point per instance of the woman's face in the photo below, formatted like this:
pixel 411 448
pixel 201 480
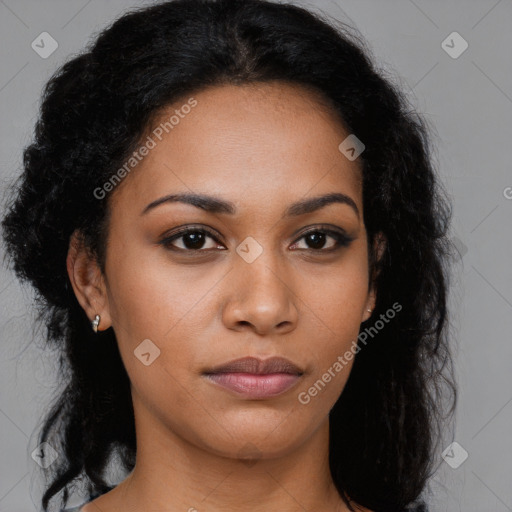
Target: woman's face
pixel 255 284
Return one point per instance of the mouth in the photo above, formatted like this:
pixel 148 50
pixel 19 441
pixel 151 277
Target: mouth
pixel 253 378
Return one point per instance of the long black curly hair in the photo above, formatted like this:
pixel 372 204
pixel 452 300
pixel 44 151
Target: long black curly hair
pixel 94 112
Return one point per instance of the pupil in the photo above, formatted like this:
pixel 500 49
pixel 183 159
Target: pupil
pixel 196 238
pixel 318 240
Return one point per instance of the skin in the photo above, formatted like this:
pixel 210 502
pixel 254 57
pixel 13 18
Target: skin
pixel 262 147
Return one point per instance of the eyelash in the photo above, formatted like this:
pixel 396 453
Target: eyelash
pixel 341 239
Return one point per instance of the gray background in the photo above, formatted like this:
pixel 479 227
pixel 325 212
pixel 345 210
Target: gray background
pixel 467 100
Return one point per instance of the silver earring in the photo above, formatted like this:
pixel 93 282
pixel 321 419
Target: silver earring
pixel 95 323
pixel 369 310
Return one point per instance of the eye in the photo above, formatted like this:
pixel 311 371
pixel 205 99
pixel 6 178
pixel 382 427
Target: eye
pixel 317 238
pixel 193 239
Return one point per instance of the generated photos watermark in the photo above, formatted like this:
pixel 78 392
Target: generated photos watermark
pixel 144 149
pixel 304 397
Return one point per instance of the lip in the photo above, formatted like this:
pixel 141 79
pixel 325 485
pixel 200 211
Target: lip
pixel 254 378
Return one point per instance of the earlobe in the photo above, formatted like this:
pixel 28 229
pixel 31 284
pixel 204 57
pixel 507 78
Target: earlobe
pixel 370 306
pixel 87 281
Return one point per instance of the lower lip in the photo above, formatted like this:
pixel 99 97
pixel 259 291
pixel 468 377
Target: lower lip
pixel 255 386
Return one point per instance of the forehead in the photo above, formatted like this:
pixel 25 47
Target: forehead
pixel 271 141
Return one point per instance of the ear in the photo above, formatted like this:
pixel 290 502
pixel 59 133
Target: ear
pixel 379 246
pixel 87 281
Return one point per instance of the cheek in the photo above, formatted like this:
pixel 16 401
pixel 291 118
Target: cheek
pixel 338 295
pixel 158 309
pixel 148 296
pixel 335 307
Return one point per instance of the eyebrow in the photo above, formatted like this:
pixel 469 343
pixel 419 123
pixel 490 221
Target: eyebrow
pixel 213 204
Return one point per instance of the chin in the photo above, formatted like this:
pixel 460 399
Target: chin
pixel 257 438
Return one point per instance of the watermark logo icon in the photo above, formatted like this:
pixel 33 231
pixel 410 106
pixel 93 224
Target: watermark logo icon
pixel 45 455
pixel 454 455
pixel 454 45
pixel 249 249
pixel 351 147
pixel 44 45
pixel 147 352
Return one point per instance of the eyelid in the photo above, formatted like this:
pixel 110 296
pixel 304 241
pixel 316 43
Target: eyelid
pixel 183 230
pixel 328 228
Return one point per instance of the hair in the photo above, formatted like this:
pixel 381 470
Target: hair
pixel 94 111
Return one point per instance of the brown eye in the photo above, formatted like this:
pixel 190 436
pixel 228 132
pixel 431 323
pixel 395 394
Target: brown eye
pixel 193 239
pixel 317 239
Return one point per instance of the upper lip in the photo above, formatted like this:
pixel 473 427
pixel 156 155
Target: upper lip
pixel 258 366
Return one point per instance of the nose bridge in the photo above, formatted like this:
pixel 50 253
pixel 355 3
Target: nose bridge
pixel 261 267
pixel 262 293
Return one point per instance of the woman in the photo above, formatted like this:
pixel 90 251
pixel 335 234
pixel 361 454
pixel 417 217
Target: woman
pixel 239 243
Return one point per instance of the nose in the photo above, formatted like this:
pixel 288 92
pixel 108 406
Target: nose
pixel 261 298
